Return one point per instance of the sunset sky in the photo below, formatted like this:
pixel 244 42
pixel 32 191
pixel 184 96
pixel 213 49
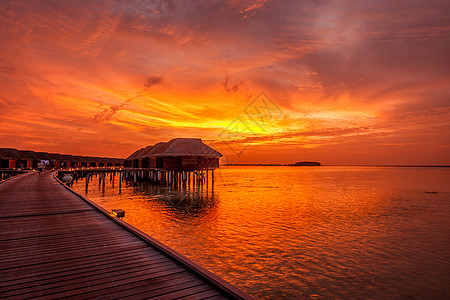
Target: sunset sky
pixel 274 81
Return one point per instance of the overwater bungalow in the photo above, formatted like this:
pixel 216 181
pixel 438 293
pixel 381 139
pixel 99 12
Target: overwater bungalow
pixel 55 160
pixel 104 162
pixel 13 159
pixel 180 154
pixel 68 161
pixel 9 158
pixel 43 156
pixel 28 159
pixel 79 162
pixel 117 162
pixel 89 162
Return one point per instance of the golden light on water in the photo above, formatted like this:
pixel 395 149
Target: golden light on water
pixel 315 232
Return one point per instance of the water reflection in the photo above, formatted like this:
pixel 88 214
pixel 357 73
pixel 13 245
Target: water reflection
pixel 188 200
pixel 185 199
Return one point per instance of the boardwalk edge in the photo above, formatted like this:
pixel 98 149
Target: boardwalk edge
pixel 15 176
pixel 210 277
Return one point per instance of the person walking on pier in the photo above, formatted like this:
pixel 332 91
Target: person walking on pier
pixel 40 166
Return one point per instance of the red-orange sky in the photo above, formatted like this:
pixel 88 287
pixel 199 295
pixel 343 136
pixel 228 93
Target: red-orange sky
pixel 348 82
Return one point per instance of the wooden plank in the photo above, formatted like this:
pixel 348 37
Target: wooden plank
pixel 203 295
pixel 93 278
pixel 29 249
pixel 134 290
pixel 56 243
pixel 69 255
pixel 57 268
pixel 218 297
pixel 110 285
pixel 26 249
pixel 73 251
pixel 64 271
pixel 177 291
pixel 55 236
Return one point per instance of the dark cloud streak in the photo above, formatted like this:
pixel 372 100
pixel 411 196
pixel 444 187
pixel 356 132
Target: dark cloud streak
pixel 152 80
pixel 108 113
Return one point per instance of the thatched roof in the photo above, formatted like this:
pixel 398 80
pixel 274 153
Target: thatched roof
pixel 67 158
pixel 89 159
pixel 27 155
pixel 156 149
pixel 116 160
pixel 14 154
pixel 136 153
pixel 187 147
pixel 104 160
pixel 55 156
pixel 9 153
pixel 146 151
pixel 78 158
pixel 177 147
pixel 42 155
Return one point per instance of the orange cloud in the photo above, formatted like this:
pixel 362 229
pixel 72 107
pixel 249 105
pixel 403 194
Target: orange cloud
pixel 355 84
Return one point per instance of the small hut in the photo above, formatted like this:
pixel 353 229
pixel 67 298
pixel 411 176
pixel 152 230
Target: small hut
pixel 89 161
pixel 9 158
pixel 28 159
pixel 103 162
pixel 67 161
pixel 78 161
pixel 180 154
pixel 12 158
pixel 55 160
pixel 118 162
pixel 43 157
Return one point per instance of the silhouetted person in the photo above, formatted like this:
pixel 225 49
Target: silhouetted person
pixel 40 166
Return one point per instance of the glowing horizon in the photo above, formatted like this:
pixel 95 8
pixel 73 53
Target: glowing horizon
pixel 351 83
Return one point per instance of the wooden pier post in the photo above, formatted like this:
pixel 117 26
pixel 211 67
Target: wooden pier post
pixel 103 184
pixel 87 183
pixel 188 179
pixel 193 178
pixel 113 176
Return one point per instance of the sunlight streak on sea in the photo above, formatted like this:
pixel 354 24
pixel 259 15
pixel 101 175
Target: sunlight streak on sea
pixel 305 232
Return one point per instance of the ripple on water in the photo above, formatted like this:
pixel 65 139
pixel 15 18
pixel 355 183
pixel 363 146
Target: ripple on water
pixel 310 233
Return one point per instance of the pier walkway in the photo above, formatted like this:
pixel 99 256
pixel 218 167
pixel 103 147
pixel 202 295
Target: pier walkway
pixel 54 244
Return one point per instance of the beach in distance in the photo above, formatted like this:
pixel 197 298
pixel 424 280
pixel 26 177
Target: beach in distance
pixel 313 233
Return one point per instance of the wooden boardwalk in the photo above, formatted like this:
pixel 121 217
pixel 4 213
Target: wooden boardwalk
pixel 53 244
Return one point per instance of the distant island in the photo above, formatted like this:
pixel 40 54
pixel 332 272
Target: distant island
pixel 306 163
pixel 297 164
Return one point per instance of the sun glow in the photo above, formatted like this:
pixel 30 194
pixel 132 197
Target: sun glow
pixel 320 87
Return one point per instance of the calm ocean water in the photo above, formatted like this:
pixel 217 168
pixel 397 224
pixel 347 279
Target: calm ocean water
pixel 305 232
